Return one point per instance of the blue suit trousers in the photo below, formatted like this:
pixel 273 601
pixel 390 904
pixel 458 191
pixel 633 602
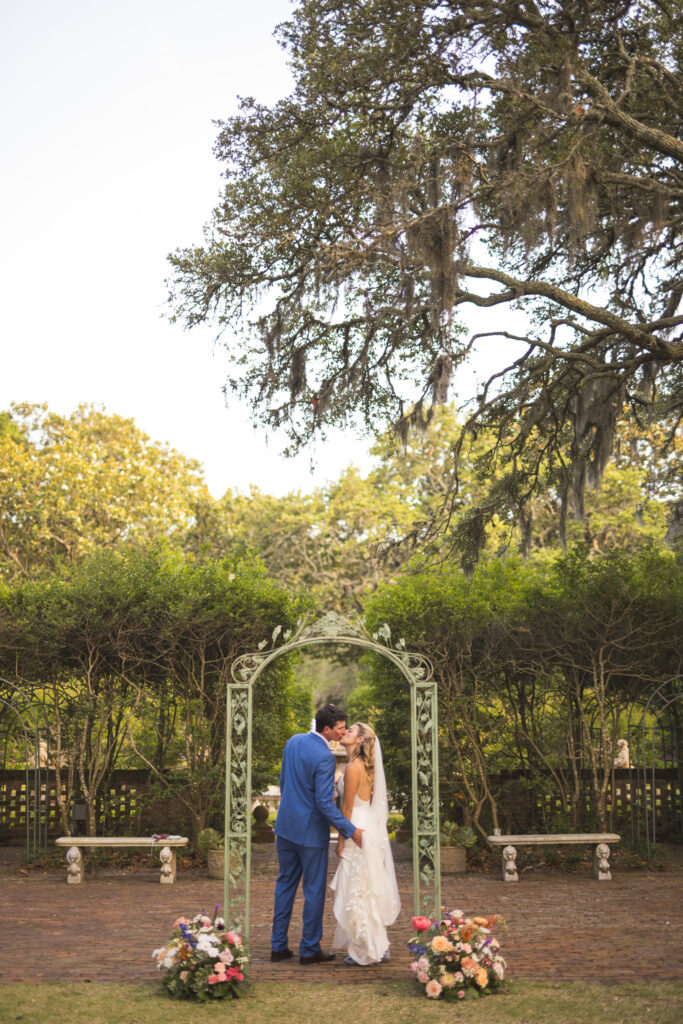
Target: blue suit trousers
pixel 295 861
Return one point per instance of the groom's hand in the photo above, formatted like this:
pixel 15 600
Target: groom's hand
pixel 358 837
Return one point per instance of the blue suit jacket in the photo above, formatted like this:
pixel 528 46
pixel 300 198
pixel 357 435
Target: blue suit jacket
pixel 307 807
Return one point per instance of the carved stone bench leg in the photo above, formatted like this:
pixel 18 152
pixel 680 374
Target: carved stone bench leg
pixel 601 863
pixel 74 866
pixel 510 864
pixel 168 865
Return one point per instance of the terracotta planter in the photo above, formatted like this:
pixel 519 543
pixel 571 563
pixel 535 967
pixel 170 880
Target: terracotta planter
pixel 453 860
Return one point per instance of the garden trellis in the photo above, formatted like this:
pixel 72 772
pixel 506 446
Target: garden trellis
pixel 417 670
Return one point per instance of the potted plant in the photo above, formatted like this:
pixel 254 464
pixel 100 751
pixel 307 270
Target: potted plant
pixel 454 840
pixel 395 824
pixel 212 843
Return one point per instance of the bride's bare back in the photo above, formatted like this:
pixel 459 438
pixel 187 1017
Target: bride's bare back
pixel 356 783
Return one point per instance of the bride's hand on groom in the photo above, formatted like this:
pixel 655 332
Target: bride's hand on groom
pixel 358 837
pixel 340 847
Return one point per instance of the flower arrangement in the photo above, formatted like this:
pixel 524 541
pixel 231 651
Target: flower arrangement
pixel 202 960
pixel 457 957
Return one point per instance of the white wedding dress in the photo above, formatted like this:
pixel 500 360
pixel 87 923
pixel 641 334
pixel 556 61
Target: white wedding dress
pixel 366 898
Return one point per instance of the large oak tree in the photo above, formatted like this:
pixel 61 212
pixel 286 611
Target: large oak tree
pixel 437 156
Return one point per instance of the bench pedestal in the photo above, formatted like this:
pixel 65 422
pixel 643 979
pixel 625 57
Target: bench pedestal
pixel 74 870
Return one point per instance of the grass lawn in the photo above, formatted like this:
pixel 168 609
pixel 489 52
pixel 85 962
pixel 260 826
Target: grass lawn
pixel 381 1003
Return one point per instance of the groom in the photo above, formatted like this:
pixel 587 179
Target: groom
pixel 307 809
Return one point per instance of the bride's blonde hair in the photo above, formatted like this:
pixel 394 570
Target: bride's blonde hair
pixel 365 751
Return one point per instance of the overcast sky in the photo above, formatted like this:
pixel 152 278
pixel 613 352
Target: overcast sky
pixel 106 142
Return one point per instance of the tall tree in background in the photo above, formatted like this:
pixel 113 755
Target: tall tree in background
pixel 502 154
pixel 340 541
pixel 70 485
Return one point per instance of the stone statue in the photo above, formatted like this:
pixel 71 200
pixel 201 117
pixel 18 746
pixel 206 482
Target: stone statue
pixel 510 864
pixel 623 758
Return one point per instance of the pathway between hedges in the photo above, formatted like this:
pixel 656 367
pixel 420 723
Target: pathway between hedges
pixel 561 926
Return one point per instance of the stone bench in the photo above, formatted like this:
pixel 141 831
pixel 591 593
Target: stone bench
pixel 75 860
pixel 599 840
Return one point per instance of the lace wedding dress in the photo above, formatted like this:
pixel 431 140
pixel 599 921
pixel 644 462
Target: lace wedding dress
pixel 366 896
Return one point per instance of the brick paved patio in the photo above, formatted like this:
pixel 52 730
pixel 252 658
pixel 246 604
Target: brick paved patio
pixel 561 926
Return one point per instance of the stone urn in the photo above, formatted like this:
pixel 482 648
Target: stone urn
pixel 263 832
pixel 453 860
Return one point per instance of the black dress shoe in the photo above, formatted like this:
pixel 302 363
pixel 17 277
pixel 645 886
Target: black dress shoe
pixel 317 958
pixel 280 954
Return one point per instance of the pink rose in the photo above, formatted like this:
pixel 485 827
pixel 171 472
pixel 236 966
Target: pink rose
pixel 219 967
pixel 234 939
pixel 225 956
pixel 214 978
pixel 461 993
pixel 433 989
pixel 423 963
pixel 421 924
pixel 422 977
pixel 414 968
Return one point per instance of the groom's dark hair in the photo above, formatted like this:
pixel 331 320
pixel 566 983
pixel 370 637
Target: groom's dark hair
pixel 329 715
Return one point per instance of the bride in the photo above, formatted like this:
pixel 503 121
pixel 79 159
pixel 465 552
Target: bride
pixel 366 896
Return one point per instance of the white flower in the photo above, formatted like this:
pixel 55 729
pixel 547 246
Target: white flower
pixel 498 969
pixel 169 959
pixel 156 952
pixel 206 944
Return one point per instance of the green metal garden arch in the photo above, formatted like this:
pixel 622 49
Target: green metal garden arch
pixel 245 670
